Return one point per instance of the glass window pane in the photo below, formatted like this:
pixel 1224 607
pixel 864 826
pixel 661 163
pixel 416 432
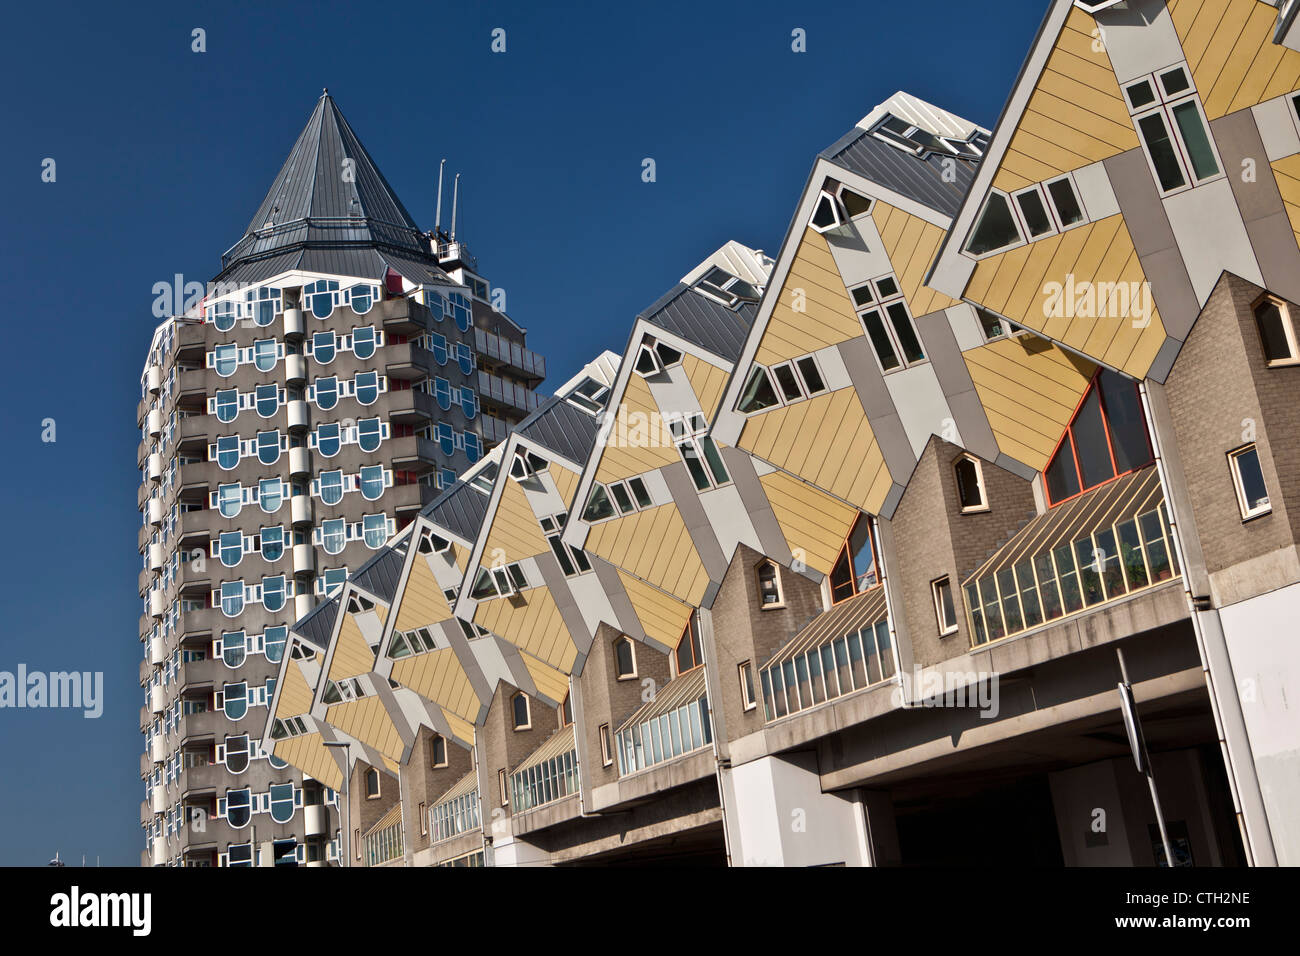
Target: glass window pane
pixel 1066 203
pixel 1272 332
pixel 1010 601
pixel 1130 554
pixel 1089 578
pixel 1195 138
pixel 1062 479
pixel 1047 588
pixel 996 228
pixel 1253 491
pixel 1128 433
pixel 907 339
pixel 880 340
pixel 1161 149
pixel 1090 443
pixel 1034 212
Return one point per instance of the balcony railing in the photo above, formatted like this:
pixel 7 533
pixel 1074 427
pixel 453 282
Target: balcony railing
pixel 510 353
pixel 675 723
pixel 1099 547
pixel 457 810
pixel 550 773
pixel 844 650
pixel 507 393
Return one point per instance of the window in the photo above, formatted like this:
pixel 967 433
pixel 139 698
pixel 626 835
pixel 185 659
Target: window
pixel 370 432
pixel 367 387
pixel 324 347
pixel 326 392
pixel 270 493
pixel 328 439
pixel 331 487
pixel 272 543
pixel 624 658
pixel 1171 123
pixel 655 357
pixel 372 783
pixel 372 481
pixel 226 405
pixel 503 787
pixel 1248 479
pixel 225 359
pixel 268 447
pixel 374 530
pixel 599 507
pixel 265 353
pixel 437 751
pixel 1276 332
pixel 282 802
pixel 266 398
pixel 944 610
pixel 573 561
pixel 1107 438
pixel 689 654
pixel 333 535
pixel 727 288
pixel 855 569
pixel 996 228
pixel 698 451
pixel 238 806
pixel 745 671
pixel 230 499
pixel 606 752
pixel 233 648
pixel 566 711
pixel 520 712
pixel 590 395
pixel 363 341
pixel 785 383
pixel 827 213
pixel 920 142
pixel 970 485
pixel 888 324
pixel 526 465
pixel 769 586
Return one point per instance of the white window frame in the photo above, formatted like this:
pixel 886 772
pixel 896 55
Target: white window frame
pixel 1164 104
pixel 1288 327
pixel 945 628
pixel 631 644
pixel 749 700
pixel 880 305
pixel 1234 456
pixel 983 506
pixel 780 589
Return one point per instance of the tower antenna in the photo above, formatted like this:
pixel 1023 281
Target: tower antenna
pixel 437 216
pixel 455 194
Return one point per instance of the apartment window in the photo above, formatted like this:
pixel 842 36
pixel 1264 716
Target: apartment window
pixel 887 322
pixel 503 788
pixel 438 751
pixel 855 569
pixel 1276 332
pixel 1171 123
pixel 1106 438
pixel 323 347
pixel 970 485
pixel 746 673
pixel 655 357
pixel 689 653
pixel 996 228
pixel 945 611
pixel 573 561
pixel 606 751
pixel 566 711
pixel 356 842
pixel 1248 479
pixel 372 783
pixel 698 451
pixel 424 822
pixel 769 585
pixel 785 383
pixel 729 289
pixel 827 213
pixel 520 711
pixel 624 659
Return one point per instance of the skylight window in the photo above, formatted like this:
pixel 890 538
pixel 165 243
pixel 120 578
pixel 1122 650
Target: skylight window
pixel 590 395
pixel 730 290
pixel 921 142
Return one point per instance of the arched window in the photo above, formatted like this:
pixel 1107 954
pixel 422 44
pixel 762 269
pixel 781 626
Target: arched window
pixel 323 347
pixel 1107 438
pixel 437 751
pixel 520 712
pixel 970 485
pixel 236 753
pixel 769 585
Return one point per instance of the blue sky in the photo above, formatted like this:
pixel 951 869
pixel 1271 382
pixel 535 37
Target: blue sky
pixel 163 154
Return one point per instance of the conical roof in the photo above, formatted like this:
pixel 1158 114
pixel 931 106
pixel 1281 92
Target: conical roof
pixel 330 210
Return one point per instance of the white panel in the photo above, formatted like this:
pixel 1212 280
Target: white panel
pixel 1211 236
pixel 491 661
pixel 1277 128
pixel 965 326
pixel 592 601
pixel 658 488
pixel 1095 190
pixel 1260 634
pixel 922 406
pixel 835 373
pixel 859 264
pixel 1140 38
pixel 729 518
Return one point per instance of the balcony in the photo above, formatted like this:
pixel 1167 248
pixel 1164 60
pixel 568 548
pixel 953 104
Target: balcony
pixel 402 316
pixel 146 812
pixel 315 819
pixel 407 361
pixel 523 362
pixel 412 453
pixel 200 726
pixel 1097 548
pixel 143 580
pixel 409 406
pixel 507 393
pixel 549 774
pixel 672 725
pixel 839 652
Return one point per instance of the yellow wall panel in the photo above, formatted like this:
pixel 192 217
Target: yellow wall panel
pixel 911 244
pixel 829 317
pixel 531 621
pixel 462 730
pixel 1022 284
pixel 1287 173
pixel 656 546
pixel 352 655
pixel 566 483
pixel 788 439
pixel 1076 115
pixel 551 683
pixel 423 602
pixel 368 722
pixel 295 693
pixel 309 754
pixel 707 380
pixel 638 442
pixel 814 524
pixel 515 533
pixel 439 677
pixel 662 616
pixel 1029 394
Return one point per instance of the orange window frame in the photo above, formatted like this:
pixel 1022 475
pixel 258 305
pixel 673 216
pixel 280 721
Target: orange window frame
pixel 1093 385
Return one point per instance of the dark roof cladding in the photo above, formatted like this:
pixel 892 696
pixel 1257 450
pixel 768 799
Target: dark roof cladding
pixel 330 210
pixel 922 180
pixel 703 321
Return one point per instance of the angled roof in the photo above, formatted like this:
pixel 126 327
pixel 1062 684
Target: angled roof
pixel 460 509
pixel 380 575
pixel 563 428
pixel 317 625
pixel 702 320
pixel 330 210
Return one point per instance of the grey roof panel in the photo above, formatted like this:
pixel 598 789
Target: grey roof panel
pixel 562 427
pixel 380 574
pixel 317 625
pixel 460 509
pixel 703 321
pixel 918 179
